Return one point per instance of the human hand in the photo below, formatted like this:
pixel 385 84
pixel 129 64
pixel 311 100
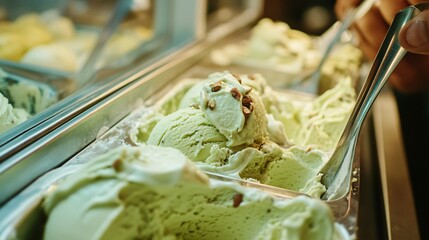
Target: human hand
pixel 414 36
pixel 412 73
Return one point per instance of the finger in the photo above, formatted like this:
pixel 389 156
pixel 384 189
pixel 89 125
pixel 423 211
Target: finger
pixel 389 8
pixel 364 44
pixel 414 36
pixel 414 2
pixel 372 29
pixel 343 6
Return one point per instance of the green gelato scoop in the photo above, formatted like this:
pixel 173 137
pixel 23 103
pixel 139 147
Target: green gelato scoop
pixel 234 109
pixel 157 193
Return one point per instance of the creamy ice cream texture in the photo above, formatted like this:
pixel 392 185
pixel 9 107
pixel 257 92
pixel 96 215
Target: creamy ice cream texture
pixel 318 123
pixel 275 48
pixel 274 45
pixel 9 116
pixel 232 107
pixel 26 94
pixel 21 98
pixel 204 134
pixel 190 131
pixel 157 193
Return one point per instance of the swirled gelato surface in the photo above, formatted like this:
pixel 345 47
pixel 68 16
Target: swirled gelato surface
pixel 280 142
pixel 153 192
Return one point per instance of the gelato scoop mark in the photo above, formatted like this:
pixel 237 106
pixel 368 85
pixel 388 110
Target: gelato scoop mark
pixel 160 194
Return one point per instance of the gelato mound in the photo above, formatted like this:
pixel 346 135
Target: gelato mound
pixel 229 132
pixel 157 193
pixel 9 116
pixel 318 123
pixel 21 98
pixel 232 107
pixel 273 45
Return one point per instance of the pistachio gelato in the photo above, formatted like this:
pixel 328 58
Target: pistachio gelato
pixel 273 45
pixel 217 135
pixel 157 193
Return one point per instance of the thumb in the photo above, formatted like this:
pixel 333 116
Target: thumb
pixel 414 36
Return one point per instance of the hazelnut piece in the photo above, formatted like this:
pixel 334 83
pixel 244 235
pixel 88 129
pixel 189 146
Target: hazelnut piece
pixel 211 104
pixel 235 93
pixel 238 198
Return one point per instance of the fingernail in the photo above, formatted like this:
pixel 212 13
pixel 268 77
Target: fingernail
pixel 417 34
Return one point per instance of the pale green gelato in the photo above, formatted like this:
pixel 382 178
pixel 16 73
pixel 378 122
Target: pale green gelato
pixel 141 129
pixel 220 139
pixel 213 135
pixel 318 123
pixel 298 169
pixel 345 61
pixel 257 82
pixel 294 168
pixel 9 116
pixel 192 95
pixel 156 193
pixel 272 45
pixel 22 93
pixel 234 109
pixel 173 100
pixel 191 132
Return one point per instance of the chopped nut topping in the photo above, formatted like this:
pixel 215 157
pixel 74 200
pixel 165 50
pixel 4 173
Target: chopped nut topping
pixel 211 104
pixel 117 165
pixel 247 101
pixel 238 198
pixel 235 93
pixel 248 91
pixel 194 105
pixel 237 77
pixel 216 86
pixel 251 107
pixel 246 111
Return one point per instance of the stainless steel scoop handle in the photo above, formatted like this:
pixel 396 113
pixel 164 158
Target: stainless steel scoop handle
pixel 336 172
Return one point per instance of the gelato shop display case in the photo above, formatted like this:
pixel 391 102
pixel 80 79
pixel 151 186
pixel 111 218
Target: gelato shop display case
pixel 206 131
pixel 133 34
